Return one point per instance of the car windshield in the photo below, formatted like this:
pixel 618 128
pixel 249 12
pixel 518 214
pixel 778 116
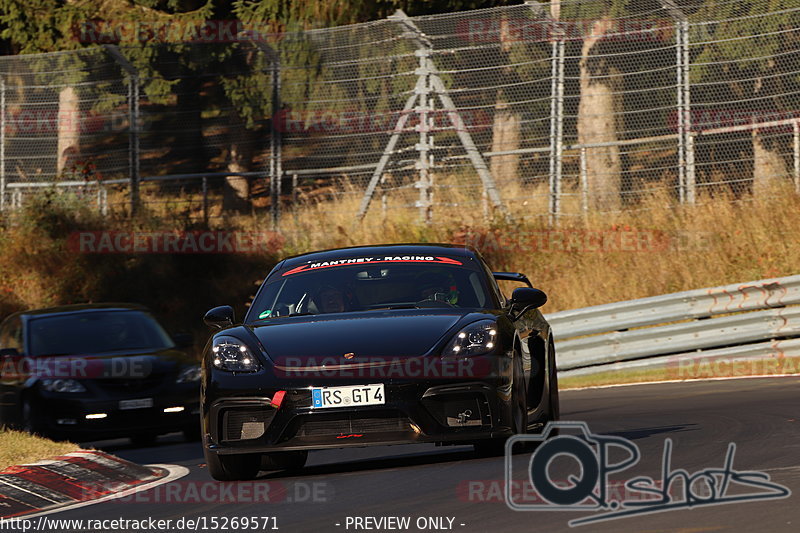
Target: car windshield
pixel 341 286
pixel 96 332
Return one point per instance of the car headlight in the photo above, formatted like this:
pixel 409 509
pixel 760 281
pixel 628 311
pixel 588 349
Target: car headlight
pixel 189 375
pixel 62 385
pixel 233 355
pixel 476 339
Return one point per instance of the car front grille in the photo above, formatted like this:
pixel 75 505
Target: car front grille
pixel 245 424
pixel 322 425
pixel 126 385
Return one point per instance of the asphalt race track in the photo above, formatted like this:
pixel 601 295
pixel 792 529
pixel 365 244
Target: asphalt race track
pixel 762 416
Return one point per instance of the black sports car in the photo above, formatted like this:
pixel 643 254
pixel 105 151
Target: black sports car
pixel 375 345
pixel 96 371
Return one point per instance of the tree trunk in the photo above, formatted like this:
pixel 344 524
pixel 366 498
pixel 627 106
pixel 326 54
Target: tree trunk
pixel 597 124
pixel 68 124
pixel 769 168
pixel 236 194
pixel 505 137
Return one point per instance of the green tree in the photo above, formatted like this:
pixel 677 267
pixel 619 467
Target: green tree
pixel 749 59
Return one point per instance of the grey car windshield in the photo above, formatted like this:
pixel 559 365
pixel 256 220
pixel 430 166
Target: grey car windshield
pixel 361 288
pixel 96 332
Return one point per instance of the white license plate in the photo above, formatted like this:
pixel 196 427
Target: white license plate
pixel 347 396
pixel 139 403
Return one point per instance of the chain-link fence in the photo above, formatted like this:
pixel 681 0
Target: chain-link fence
pixel 534 110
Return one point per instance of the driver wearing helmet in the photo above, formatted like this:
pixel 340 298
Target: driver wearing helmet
pixel 330 299
pixel 438 287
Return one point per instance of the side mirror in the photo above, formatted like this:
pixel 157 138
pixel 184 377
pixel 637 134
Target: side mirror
pixel 219 317
pixel 524 298
pixel 183 340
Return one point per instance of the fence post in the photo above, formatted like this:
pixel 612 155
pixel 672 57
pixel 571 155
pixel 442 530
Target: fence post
pixel 686 167
pixel 681 118
pixel 133 123
pixel 584 183
pixel 2 143
pixel 796 155
pixel 556 103
pixel 134 133
pixel 275 138
pixel 384 199
pixel 423 149
pixel 687 116
pixel 556 125
pixel 205 201
pixel 432 82
pixel 275 143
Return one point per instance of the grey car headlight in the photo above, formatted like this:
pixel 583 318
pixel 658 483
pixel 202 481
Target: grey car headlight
pixel 62 385
pixel 231 354
pixel 478 338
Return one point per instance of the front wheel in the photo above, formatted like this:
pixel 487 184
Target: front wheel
pixel 31 418
pixel 519 415
pixel 233 467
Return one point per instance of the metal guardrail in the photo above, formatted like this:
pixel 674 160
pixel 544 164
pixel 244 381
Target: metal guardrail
pixel 732 321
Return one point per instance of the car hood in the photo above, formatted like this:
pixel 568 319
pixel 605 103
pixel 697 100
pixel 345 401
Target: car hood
pixel 394 334
pixel 114 365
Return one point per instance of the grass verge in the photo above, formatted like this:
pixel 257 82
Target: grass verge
pixel 17 447
pixel 787 366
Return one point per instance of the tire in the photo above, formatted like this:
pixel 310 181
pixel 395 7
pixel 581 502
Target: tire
pixel 192 433
pixel 144 440
pixel 232 467
pixel 30 421
pixel 519 415
pixel 554 407
pixel 291 461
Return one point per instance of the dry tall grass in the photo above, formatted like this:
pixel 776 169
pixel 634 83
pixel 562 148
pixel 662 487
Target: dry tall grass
pixel 654 247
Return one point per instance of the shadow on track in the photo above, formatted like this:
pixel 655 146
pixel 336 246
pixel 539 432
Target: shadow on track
pixel 379 463
pixel 643 433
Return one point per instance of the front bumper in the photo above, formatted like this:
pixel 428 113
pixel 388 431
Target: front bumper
pixel 238 416
pixel 81 418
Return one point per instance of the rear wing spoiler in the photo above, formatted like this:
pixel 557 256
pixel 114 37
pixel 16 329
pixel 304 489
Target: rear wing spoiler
pixel 512 276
